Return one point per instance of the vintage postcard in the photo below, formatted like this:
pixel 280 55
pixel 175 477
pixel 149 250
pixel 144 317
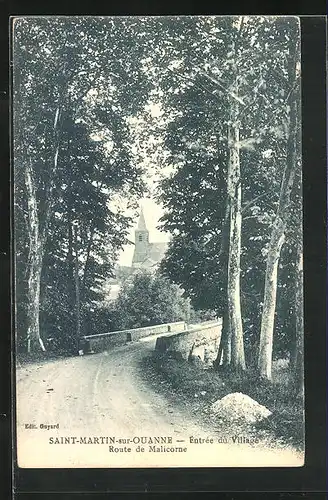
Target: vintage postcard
pixel 158 241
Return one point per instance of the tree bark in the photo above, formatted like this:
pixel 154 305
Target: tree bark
pixel 77 290
pixel 36 251
pixel 38 221
pixel 89 249
pixel 70 264
pixel 270 289
pixel 279 229
pixel 270 293
pixel 234 194
pixel 299 311
pixel 88 253
pixel 224 352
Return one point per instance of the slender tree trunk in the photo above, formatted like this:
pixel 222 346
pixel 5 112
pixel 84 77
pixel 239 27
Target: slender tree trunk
pixel 270 293
pixel 36 251
pixel 278 232
pixel 70 261
pixel 87 259
pixel 77 290
pixel 34 341
pixel 226 358
pixel 270 289
pixel 89 249
pixel 37 233
pixel 234 193
pixel 224 352
pixel 299 304
pixel 299 350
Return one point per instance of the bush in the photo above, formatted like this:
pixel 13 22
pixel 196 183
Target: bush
pixel 149 299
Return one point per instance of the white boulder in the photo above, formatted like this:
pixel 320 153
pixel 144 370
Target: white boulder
pixel 238 407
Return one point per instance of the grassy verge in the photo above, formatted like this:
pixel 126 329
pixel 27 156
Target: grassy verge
pixel 23 359
pixel 200 388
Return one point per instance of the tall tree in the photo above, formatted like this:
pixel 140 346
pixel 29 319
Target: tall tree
pixel 57 78
pixel 280 223
pixel 234 207
pixel 249 101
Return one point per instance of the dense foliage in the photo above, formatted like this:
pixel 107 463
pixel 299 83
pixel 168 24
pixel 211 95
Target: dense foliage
pixel 73 165
pixel 195 195
pixel 150 299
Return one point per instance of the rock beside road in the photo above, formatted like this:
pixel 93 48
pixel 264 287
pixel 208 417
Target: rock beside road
pixel 239 408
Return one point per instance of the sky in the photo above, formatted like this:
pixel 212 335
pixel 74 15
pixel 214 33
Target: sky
pixel 152 210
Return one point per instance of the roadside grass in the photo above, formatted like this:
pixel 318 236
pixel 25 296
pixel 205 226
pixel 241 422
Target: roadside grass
pixel 199 388
pixel 23 359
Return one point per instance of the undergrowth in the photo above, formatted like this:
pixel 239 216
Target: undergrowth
pixel 203 387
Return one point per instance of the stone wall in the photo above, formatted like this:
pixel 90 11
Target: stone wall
pixel 103 341
pixel 138 333
pixel 196 342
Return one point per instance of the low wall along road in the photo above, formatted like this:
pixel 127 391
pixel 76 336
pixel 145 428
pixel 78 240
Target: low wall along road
pixel 193 342
pixel 103 341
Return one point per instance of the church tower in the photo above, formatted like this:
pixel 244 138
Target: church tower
pixel 141 249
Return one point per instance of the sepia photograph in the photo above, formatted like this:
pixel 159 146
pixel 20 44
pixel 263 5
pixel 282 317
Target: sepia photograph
pixel 158 241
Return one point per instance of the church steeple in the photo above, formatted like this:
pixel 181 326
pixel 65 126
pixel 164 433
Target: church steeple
pixel 141 248
pixel 142 223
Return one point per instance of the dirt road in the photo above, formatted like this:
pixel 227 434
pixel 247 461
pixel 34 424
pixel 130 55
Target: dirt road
pixel 104 396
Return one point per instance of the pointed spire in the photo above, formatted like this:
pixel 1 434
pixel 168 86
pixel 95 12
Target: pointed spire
pixel 142 223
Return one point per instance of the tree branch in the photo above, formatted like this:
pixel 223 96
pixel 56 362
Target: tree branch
pixel 252 202
pixel 219 84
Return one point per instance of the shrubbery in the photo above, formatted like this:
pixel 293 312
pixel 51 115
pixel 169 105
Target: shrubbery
pixel 149 299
